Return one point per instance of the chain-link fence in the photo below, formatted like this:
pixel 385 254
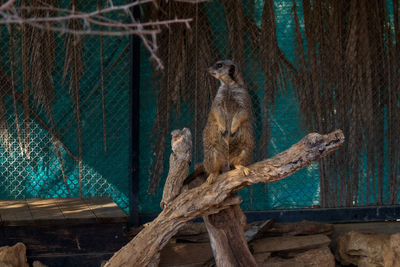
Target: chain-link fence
pixel 64 111
pixel 309 66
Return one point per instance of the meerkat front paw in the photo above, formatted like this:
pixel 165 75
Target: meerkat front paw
pixel 234 130
pixel 233 134
pixel 224 133
pixel 245 171
pixel 222 130
pixel 211 178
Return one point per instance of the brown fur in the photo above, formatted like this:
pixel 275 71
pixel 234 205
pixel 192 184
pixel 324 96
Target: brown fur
pixel 228 136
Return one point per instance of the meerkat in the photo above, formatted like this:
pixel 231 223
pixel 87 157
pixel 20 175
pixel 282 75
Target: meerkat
pixel 228 140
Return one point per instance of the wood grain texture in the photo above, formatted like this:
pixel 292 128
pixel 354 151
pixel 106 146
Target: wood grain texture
pixel 228 241
pixel 211 198
pixel 14 211
pixel 60 211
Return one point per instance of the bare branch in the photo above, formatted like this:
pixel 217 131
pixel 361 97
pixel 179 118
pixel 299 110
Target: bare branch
pixel 96 22
pixel 73 13
pixel 7 5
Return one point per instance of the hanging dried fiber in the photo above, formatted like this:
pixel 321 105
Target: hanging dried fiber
pixel 73 66
pixel 186 53
pixel 14 97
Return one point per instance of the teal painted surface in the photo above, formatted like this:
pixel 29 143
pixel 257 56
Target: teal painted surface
pixel 301 189
pixel 104 172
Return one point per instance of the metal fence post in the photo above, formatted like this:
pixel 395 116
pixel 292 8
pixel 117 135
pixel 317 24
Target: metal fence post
pixel 134 125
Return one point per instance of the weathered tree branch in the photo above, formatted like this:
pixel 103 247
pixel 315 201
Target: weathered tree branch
pixel 227 238
pixel 179 163
pixel 211 198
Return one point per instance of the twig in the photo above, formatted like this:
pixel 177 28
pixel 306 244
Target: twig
pixel 7 5
pixel 95 22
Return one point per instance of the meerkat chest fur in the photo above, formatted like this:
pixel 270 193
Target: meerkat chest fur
pixel 231 100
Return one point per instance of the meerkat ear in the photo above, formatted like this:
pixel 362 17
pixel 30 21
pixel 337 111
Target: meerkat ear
pixel 235 74
pixel 232 72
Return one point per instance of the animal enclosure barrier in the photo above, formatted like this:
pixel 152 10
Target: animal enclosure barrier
pixel 310 66
pixel 64 111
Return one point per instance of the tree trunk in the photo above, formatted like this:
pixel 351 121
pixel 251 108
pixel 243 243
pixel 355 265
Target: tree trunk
pixel 228 242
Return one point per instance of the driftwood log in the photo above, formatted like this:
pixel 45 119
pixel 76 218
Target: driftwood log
pixel 212 198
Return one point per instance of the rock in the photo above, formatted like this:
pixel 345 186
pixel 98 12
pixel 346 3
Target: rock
pixel 185 254
pixel 262 258
pixel 316 257
pixel 38 264
pixel 395 246
pixel 192 228
pixel 256 231
pixel 289 243
pixel 300 228
pixel 279 262
pixel 310 258
pixel 14 256
pixel 369 249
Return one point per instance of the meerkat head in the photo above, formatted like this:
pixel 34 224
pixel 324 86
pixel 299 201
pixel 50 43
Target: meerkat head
pixel 227 72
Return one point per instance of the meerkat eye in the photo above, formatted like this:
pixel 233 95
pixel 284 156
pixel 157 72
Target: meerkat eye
pixel 219 65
